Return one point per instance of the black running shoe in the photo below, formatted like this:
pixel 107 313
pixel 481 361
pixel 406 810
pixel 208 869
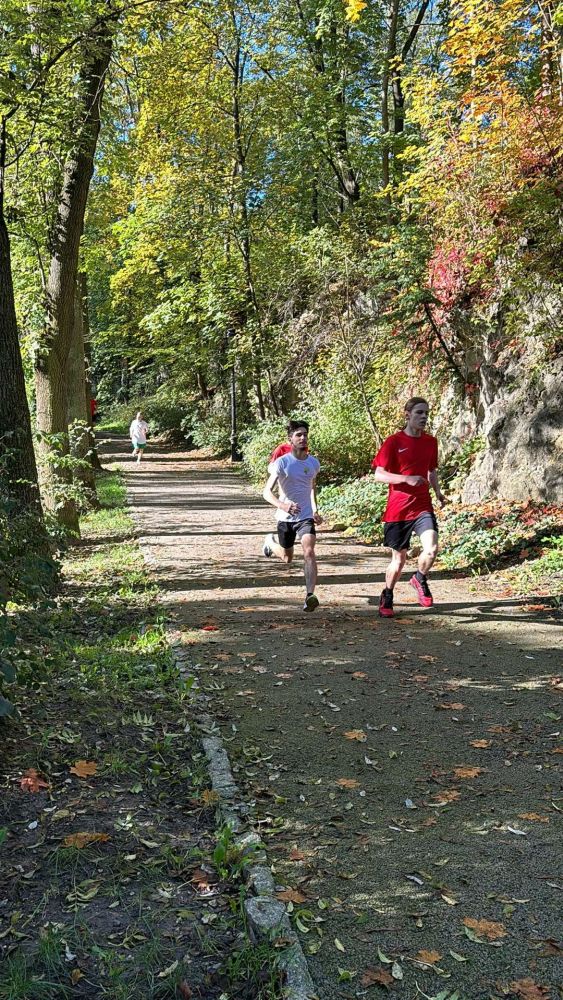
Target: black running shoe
pixel 311 602
pixel 386 604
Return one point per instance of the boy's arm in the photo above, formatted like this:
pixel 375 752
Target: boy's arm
pixel 270 497
pixel 433 480
pixel 382 476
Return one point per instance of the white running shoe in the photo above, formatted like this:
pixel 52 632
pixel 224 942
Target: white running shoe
pixel 266 548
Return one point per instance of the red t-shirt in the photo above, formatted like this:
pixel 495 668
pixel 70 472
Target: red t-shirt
pixel 407 456
pixel 282 449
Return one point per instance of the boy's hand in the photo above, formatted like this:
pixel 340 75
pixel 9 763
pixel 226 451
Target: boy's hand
pixel 442 500
pixel 290 507
pixel 317 518
pixel 415 480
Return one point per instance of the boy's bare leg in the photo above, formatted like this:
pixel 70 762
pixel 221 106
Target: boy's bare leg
pixel 429 542
pixel 286 555
pixel 395 567
pixel 310 562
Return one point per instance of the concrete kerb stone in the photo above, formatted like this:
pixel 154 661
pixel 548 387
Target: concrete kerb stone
pixel 265 914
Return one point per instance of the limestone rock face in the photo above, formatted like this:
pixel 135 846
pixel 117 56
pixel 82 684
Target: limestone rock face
pixel 522 425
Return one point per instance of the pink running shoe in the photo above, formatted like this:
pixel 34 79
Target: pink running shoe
pixel 422 592
pixel 386 604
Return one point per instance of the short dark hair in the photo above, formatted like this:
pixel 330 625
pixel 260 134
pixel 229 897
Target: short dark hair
pixel 414 401
pixel 295 425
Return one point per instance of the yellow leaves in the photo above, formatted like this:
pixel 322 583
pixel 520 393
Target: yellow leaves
pixel 209 797
pixel 348 783
pixel 356 734
pixel 84 768
pixel 534 817
pixel 480 744
pixel 83 839
pixel 490 930
pixel 353 9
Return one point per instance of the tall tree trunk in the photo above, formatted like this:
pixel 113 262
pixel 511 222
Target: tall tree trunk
pixel 17 458
pixel 385 117
pixel 78 404
pixel 92 451
pixel 51 364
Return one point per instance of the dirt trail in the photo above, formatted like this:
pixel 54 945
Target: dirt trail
pixel 405 773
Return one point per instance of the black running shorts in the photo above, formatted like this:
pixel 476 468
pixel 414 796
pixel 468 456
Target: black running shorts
pixel 288 531
pixel 397 534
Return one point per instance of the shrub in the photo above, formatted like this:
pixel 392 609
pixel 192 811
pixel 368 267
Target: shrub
pixel 481 536
pixel 209 425
pixel 358 505
pixel 258 444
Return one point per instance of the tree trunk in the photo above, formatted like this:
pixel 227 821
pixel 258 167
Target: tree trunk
pixel 17 458
pixel 385 126
pixel 92 451
pixel 51 363
pixel 78 404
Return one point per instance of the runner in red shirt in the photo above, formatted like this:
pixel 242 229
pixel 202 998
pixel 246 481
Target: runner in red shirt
pixel 408 462
pixel 282 449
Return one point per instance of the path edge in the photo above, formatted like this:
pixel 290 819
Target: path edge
pixel 265 914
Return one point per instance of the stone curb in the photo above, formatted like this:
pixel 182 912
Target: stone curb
pixel 265 914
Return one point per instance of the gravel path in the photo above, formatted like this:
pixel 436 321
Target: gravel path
pixel 404 774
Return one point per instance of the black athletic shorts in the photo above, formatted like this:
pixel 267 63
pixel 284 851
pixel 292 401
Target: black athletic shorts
pixel 397 534
pixel 288 531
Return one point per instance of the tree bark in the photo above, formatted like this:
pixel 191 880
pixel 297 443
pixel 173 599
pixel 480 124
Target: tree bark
pixel 385 118
pixel 78 404
pixel 16 441
pixel 52 357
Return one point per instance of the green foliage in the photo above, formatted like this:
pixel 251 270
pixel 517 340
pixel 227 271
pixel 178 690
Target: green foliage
pixel 210 426
pixel 357 504
pixel 258 444
pixel 480 537
pixel 231 859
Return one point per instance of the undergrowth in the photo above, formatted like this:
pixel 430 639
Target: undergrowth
pixel 148 908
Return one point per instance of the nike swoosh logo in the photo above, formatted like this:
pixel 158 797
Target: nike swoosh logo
pixel 402 449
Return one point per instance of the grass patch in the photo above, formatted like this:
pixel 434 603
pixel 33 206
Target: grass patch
pixel 102 874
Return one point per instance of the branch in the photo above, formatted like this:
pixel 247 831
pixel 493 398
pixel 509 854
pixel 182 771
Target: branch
pixel 443 344
pixel 414 30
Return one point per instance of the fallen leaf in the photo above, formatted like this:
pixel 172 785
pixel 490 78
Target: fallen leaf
pixel 377 977
pixel 454 706
pixel 356 734
pixel 296 855
pixel 209 628
pixel 534 817
pixel 358 675
pixel 338 944
pixel 348 783
pixel 291 896
pixel 209 797
pixel 84 768
pixel 82 839
pixel 481 744
pixel 467 772
pixel 448 795
pixel 490 929
pixel 75 976
pixel 527 989
pixel 184 990
pixel 31 782
pixel 428 957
